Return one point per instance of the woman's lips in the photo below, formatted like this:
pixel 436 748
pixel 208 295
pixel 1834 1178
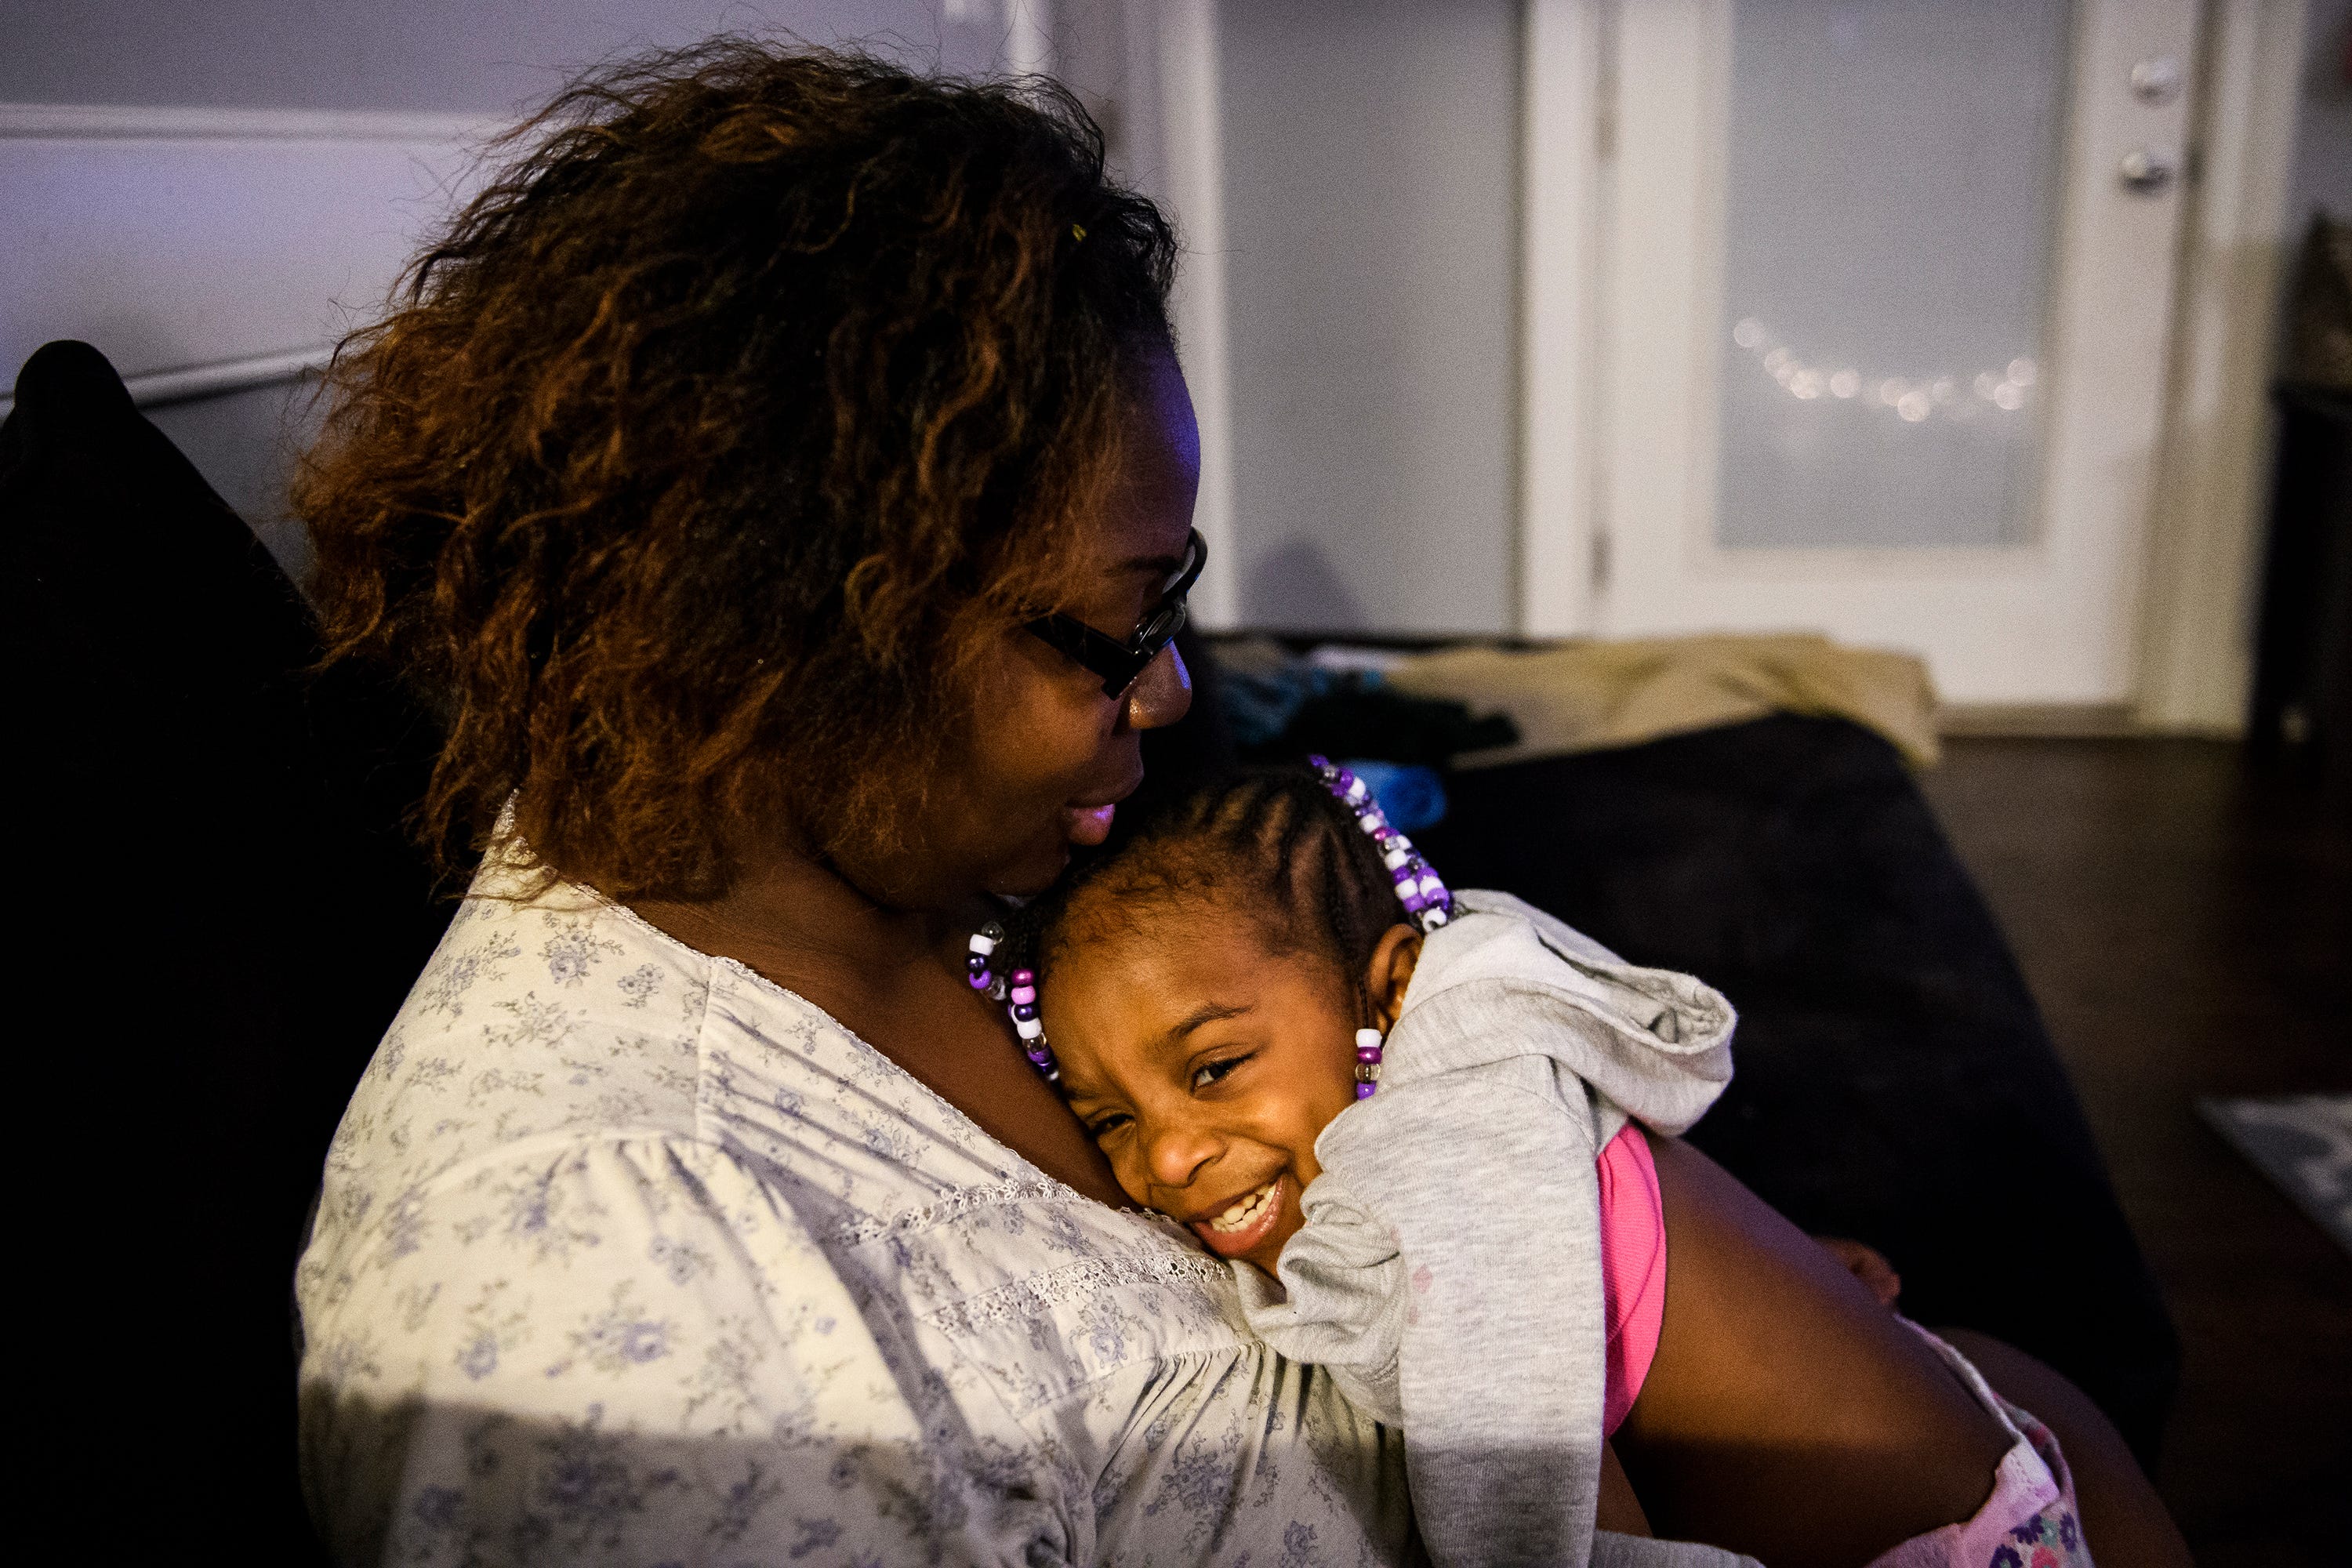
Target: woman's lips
pixel 1088 824
pixel 1255 1228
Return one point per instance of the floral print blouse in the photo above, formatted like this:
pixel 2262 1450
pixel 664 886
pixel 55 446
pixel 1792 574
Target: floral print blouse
pixel 625 1254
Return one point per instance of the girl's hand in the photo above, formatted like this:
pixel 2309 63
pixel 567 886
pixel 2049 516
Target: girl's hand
pixel 1866 1264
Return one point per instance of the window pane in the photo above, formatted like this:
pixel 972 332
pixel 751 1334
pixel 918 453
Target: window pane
pixel 1893 176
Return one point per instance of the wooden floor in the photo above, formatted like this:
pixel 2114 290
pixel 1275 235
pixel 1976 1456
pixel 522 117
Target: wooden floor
pixel 2186 922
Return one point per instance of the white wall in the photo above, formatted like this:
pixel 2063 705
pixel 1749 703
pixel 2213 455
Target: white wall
pixel 1371 173
pixel 443 55
pixel 230 181
pixel 2323 142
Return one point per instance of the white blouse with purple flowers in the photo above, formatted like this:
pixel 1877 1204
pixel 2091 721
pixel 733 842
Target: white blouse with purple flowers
pixel 627 1255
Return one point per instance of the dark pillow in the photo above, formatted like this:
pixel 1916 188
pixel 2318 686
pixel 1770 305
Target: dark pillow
pixel 225 917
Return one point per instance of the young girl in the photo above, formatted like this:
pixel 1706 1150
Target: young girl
pixel 1415 1122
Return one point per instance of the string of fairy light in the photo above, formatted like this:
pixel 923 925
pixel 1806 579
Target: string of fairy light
pixel 1911 399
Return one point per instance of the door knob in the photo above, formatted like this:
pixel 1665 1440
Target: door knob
pixel 2156 79
pixel 2149 171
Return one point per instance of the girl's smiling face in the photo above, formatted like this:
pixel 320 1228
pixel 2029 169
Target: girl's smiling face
pixel 1206 1065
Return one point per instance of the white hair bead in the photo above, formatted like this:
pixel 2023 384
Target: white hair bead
pixel 1425 899
pixel 983 945
pixel 1028 1028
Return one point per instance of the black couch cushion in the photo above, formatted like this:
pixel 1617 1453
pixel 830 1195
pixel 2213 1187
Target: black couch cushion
pixel 225 917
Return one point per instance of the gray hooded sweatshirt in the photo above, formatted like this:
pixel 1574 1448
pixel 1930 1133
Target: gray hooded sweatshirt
pixel 1448 1275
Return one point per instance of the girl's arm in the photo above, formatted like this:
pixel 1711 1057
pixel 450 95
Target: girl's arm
pixel 1485 1177
pixel 1788 1414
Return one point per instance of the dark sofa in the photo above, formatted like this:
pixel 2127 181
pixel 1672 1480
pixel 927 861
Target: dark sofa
pixel 228 916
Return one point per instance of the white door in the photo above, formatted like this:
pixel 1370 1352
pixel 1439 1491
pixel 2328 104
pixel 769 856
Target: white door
pixel 1852 315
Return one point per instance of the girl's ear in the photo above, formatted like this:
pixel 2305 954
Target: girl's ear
pixel 1390 972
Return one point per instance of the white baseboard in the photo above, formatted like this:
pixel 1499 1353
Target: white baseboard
pixel 2067 721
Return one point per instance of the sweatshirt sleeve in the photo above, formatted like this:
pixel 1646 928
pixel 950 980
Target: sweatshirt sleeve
pixel 1340 1302
pixel 1483 1178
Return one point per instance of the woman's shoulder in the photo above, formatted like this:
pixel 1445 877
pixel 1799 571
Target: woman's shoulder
pixel 551 1016
pixel 539 1012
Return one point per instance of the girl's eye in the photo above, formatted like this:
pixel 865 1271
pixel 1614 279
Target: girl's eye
pixel 1104 1126
pixel 1207 1073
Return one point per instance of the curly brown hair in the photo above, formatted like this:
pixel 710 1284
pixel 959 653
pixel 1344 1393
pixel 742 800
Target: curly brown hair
pixel 693 465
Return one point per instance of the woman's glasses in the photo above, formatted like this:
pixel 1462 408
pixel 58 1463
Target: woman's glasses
pixel 1121 664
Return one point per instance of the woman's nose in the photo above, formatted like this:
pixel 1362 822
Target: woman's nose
pixel 1161 694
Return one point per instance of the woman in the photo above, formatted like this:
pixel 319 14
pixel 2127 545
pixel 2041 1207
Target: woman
pixel 734 477
pixel 780 482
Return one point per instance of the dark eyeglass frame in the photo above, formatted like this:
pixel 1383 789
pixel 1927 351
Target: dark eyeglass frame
pixel 1121 664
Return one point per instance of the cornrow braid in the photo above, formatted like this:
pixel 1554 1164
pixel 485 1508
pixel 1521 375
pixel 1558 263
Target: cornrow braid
pixel 1273 839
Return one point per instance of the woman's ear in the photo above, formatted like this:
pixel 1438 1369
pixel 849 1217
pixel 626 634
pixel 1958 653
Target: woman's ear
pixel 1390 972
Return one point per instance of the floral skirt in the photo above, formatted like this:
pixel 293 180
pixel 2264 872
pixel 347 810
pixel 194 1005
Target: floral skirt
pixel 2029 1521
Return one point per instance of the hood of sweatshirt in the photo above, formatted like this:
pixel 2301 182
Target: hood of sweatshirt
pixel 1505 979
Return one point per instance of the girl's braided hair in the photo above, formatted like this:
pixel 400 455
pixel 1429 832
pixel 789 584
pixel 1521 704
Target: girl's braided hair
pixel 1269 842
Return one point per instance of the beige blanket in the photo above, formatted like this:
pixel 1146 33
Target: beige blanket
pixel 1587 696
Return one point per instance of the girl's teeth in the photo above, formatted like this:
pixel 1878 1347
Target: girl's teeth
pixel 1245 1212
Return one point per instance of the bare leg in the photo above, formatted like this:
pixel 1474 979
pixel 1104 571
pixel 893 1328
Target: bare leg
pixel 2123 1519
pixel 1619 1509
pixel 1787 1414
pixel 2124 1522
